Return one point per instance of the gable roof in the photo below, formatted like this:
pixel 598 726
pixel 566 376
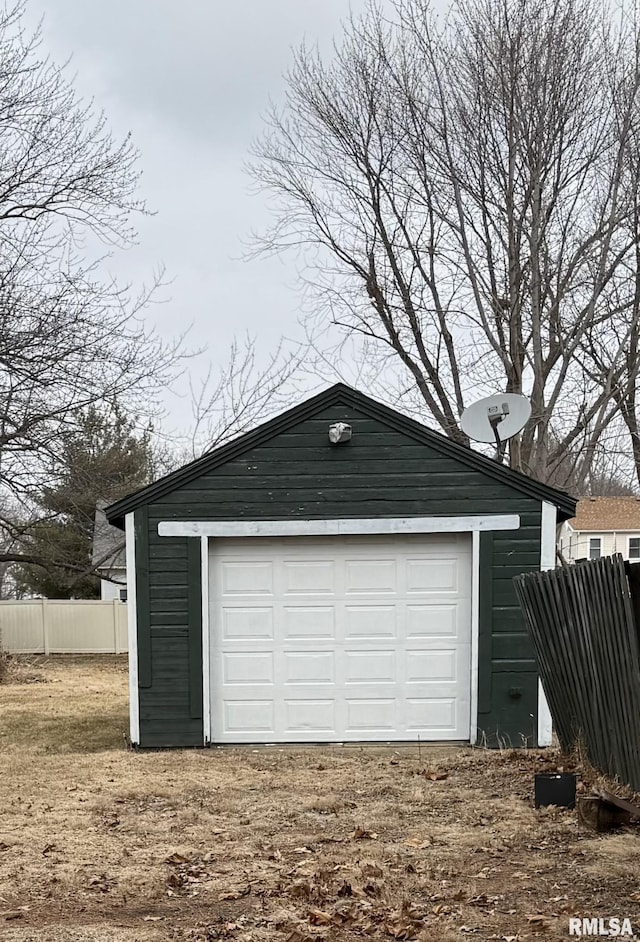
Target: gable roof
pixel 606 513
pixel 343 395
pixel 108 546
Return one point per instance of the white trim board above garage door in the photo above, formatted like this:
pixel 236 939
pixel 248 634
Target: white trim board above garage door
pixel 341 638
pixel 297 527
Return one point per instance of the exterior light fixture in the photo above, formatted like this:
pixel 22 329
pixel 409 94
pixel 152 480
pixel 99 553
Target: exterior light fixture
pixel 339 433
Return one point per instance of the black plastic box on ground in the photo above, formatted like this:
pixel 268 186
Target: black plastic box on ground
pixel 555 788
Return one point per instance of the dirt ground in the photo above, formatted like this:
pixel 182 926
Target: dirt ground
pixel 101 843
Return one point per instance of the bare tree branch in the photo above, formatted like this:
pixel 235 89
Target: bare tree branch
pixel 464 195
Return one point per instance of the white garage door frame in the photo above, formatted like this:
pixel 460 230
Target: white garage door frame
pixel 207 530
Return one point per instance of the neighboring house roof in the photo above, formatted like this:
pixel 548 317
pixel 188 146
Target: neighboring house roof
pixel 603 514
pixel 108 544
pixel 348 396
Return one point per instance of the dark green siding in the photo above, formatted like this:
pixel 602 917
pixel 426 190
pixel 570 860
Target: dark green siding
pixel 169 637
pixel 382 472
pixel 508 679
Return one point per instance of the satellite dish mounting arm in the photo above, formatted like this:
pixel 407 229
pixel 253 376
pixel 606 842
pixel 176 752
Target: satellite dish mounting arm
pixel 497 414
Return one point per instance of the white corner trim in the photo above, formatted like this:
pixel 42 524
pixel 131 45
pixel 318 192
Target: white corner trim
pixel 475 633
pixel 206 658
pixel 547 561
pixel 239 528
pixel 132 630
pixel 545 723
pixel 548 536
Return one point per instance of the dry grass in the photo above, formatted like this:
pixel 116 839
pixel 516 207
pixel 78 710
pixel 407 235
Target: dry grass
pixel 64 704
pixel 101 843
pixel 5 662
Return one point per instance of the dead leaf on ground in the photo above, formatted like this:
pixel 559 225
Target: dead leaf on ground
pixel 176 859
pixel 284 919
pixel 300 889
pixel 297 936
pixel 417 843
pixel 272 852
pixel 317 917
pixel 364 834
pixel 237 894
pixel 404 929
pixel 103 883
pixel 483 900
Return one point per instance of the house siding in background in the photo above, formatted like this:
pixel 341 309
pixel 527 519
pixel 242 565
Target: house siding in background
pixel 602 526
pixel 114 588
pixel 108 556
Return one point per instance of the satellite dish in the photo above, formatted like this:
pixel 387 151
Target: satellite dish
pixel 496 418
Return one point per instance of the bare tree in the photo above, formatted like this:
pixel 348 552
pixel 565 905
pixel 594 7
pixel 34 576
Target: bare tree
pixel 68 336
pixel 465 195
pixel 603 471
pixel 247 390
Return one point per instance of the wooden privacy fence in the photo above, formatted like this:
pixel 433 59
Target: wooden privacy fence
pixel 583 623
pixel 48 626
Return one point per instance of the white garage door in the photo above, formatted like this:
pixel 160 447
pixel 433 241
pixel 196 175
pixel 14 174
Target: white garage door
pixel 340 639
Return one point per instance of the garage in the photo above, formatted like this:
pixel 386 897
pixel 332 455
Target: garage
pixel 340 639
pixel 339 574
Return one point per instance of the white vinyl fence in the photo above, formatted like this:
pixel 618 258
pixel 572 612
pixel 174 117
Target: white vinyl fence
pixel 52 626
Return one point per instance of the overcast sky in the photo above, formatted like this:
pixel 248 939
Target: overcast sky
pixel 191 80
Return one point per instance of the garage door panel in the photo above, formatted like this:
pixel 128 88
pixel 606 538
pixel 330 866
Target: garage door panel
pixel 369 714
pixel 248 667
pixel 247 623
pixel 432 575
pixel 368 667
pixel 309 578
pixel 248 717
pixel 428 714
pixel 340 639
pixel 432 665
pixel 427 621
pixel 309 667
pixel 316 716
pixel 370 576
pixel 308 622
pixel 369 621
pixel 250 577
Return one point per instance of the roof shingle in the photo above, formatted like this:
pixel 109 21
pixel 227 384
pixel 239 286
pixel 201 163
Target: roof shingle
pixel 606 513
pixel 107 540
